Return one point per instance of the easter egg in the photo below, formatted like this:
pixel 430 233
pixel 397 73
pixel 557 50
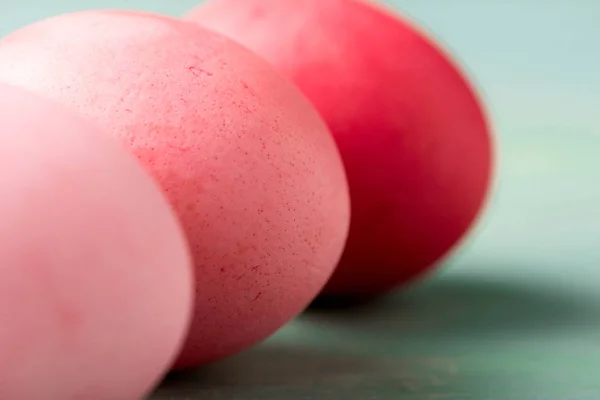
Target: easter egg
pixel 244 158
pixel 411 130
pixel 95 274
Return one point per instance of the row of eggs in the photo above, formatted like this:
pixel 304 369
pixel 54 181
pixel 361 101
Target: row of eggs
pixel 285 149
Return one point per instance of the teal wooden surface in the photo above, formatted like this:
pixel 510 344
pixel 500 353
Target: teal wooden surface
pixel 515 313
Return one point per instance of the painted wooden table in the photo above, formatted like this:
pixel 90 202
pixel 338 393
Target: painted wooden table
pixel 515 314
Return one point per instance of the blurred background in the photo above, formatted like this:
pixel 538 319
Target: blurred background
pixel 515 313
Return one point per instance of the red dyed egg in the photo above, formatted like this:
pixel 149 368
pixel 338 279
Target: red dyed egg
pixel 411 131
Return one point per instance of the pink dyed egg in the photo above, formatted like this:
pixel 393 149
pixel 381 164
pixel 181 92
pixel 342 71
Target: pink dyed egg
pixel 244 158
pixel 95 275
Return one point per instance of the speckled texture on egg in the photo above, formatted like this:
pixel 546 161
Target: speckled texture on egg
pixel 243 157
pixel 412 133
pixel 95 275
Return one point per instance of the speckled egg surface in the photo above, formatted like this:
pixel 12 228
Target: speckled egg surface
pixel 95 275
pixel 245 160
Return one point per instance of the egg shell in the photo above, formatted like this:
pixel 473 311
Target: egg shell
pixel 411 130
pixel 244 158
pixel 95 274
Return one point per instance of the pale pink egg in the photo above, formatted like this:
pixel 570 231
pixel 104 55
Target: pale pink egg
pixel 244 158
pixel 95 275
